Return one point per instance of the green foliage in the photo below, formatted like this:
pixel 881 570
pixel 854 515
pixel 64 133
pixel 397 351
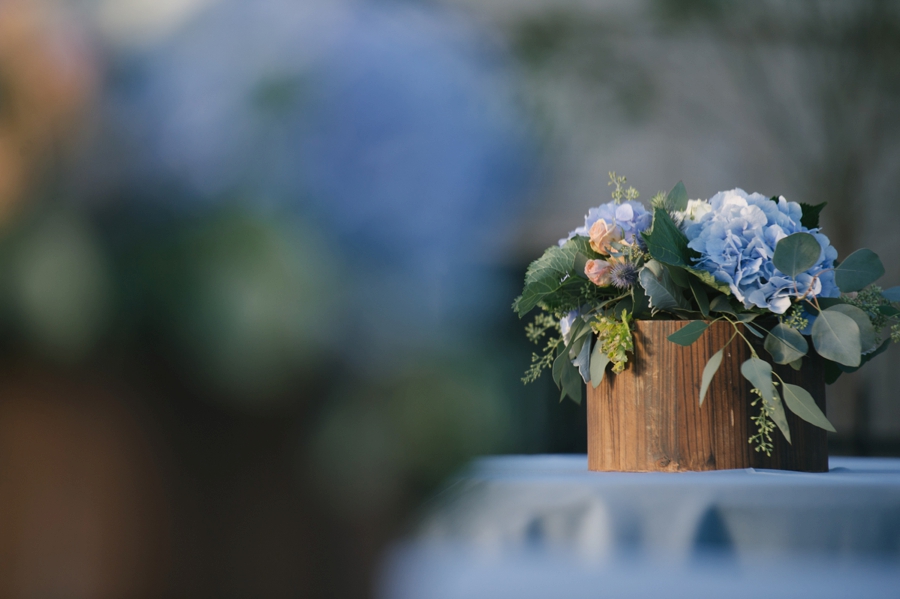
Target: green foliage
pixel 599 362
pixel 785 344
pixel 836 337
pixel 658 201
pixel 877 306
pixel 689 333
pixel 709 371
pixel 621 192
pixel 796 253
pixel 861 268
pixel 677 199
pixel 661 290
pixel 665 241
pixel 868 340
pixel 582 360
pixel 535 331
pixel 803 405
pixel 759 373
pixel 615 339
pixel 796 320
pixel 810 214
pixel 764 425
pixel 892 294
pixel 550 273
pixel 700 296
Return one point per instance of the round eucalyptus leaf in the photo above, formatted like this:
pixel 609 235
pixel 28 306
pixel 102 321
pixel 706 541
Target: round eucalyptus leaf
pixel 785 344
pixel 796 253
pixel 868 340
pixel 836 338
pixel 861 268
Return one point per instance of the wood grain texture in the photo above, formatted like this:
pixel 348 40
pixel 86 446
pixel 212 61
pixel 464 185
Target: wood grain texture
pixel 648 418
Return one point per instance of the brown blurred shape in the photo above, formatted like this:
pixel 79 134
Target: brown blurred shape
pixel 45 80
pixel 82 512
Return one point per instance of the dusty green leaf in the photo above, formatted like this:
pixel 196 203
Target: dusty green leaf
pixel 709 371
pixel 801 403
pixel 796 253
pixel 836 337
pixel 583 360
pixel 785 344
pixel 700 296
pixel 862 267
pixel 759 373
pixel 720 303
pixel 689 333
pixel 571 383
pixel 599 360
pixel 868 339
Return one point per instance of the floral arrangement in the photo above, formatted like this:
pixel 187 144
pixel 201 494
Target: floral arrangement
pixel 757 262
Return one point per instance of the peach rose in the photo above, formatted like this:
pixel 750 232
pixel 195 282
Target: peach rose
pixel 603 235
pixel 598 272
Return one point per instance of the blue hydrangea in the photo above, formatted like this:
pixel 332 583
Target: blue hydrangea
pixel 630 215
pixel 736 240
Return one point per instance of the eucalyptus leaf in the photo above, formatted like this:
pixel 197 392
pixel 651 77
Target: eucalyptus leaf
pixel 583 361
pixel 797 364
pixel 785 344
pixel 796 253
pixel 677 199
pixel 562 358
pixel 867 357
pixel 720 303
pixel 662 292
pixel 801 403
pixel 836 337
pixel 700 296
pixel 892 294
pixel 599 360
pixel 571 383
pixel 759 373
pixel 862 267
pixel 753 330
pixel 709 371
pixel 689 333
pixel 868 339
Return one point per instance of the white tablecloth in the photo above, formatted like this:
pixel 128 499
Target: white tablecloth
pixel 548 520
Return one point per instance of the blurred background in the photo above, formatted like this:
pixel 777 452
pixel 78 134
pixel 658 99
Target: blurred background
pixel 257 256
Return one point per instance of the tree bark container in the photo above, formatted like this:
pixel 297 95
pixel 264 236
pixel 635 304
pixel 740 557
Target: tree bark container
pixel 648 418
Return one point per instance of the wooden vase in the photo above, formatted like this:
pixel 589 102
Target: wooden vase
pixel 648 418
